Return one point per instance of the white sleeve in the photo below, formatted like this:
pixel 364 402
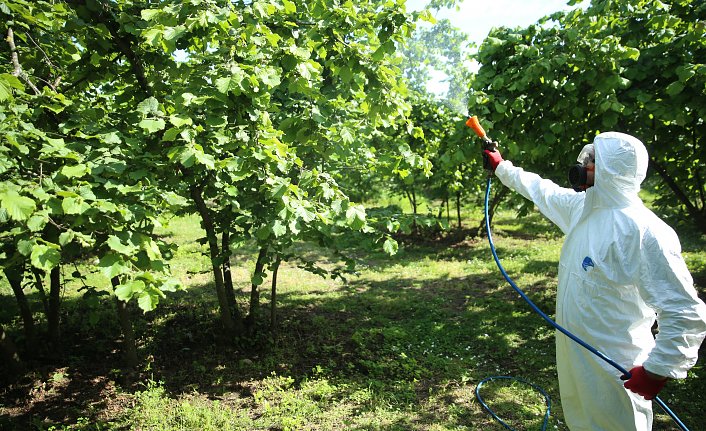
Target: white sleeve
pixel 561 205
pixel 667 287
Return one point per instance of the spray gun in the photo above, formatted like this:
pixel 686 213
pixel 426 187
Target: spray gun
pixel 488 144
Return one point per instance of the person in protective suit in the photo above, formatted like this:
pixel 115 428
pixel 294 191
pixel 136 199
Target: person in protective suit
pixel 620 269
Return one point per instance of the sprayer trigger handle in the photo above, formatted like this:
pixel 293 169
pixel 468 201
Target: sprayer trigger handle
pixel 490 145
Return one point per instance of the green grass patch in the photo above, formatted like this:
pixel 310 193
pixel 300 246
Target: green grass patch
pixel 399 346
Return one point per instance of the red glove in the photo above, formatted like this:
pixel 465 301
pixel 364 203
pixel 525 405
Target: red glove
pixel 491 159
pixel 643 384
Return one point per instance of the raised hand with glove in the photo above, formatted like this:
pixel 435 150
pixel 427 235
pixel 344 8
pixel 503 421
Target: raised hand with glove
pixel 644 383
pixel 491 159
pixel 491 155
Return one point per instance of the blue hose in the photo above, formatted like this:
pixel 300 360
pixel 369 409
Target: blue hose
pixel 553 323
pixel 547 400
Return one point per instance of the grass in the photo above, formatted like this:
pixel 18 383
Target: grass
pixel 400 346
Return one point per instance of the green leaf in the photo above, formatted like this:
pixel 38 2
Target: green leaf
pixel 45 257
pixel 147 300
pixel 631 53
pixel 294 227
pixel 185 155
pixel 171 285
pixel 675 88
pixel 111 138
pixel 346 74
pixel 150 247
pixel 126 291
pixel 152 126
pixel 609 120
pixel 390 246
pixel 347 135
pixel 306 215
pixel 556 128
pixel 7 83
pixel 685 72
pixel 289 7
pixel 18 207
pixel 74 205
pixel 179 121
pixel 149 14
pixel 66 237
pixel 232 83
pixel 170 134
pixel 279 187
pixel 355 216
pixel 257 279
pixel 12 81
pixel 75 171
pixel 37 222
pixel 148 106
pixel 152 36
pixel 115 244
pixel 268 76
pixel 308 69
pixel 263 232
pixel 112 265
pixel 386 48
pixel 25 247
pixel 205 159
pixel 278 228
pixel 393 226
pixel 174 33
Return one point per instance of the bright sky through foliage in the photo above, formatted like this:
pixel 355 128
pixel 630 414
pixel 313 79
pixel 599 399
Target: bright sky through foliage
pixel 476 18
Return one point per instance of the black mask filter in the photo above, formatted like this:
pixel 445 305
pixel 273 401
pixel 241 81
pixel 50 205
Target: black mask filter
pixel 578 174
pixel 578 177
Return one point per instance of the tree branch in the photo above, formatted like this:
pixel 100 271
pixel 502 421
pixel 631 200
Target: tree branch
pixel 56 82
pixel 16 62
pixel 123 42
pixel 125 45
pixel 678 193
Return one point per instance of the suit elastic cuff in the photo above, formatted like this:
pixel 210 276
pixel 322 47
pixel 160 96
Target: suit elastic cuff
pixel 663 371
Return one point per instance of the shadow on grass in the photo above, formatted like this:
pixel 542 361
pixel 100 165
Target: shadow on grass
pixel 398 337
pixel 402 338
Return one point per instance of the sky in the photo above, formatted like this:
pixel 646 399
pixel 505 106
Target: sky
pixel 476 18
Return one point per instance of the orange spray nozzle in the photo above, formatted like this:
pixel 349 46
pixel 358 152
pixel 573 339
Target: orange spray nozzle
pixel 473 123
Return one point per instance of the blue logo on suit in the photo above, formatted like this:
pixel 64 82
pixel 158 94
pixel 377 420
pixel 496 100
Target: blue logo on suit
pixel 587 263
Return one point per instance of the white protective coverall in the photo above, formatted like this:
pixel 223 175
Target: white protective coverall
pixel 620 267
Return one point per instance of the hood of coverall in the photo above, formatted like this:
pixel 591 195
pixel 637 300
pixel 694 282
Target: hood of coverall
pixel 621 166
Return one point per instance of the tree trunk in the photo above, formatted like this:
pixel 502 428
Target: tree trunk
pixel 497 199
pixel 227 275
pixel 14 277
pixel 39 284
pixel 458 208
pixel 273 299
pixel 9 355
pixel 448 213
pixel 413 201
pixel 129 344
pixel 696 214
pixel 254 292
pixel 227 320
pixel 53 319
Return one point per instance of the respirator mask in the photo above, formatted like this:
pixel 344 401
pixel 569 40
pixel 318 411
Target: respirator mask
pixel 581 174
